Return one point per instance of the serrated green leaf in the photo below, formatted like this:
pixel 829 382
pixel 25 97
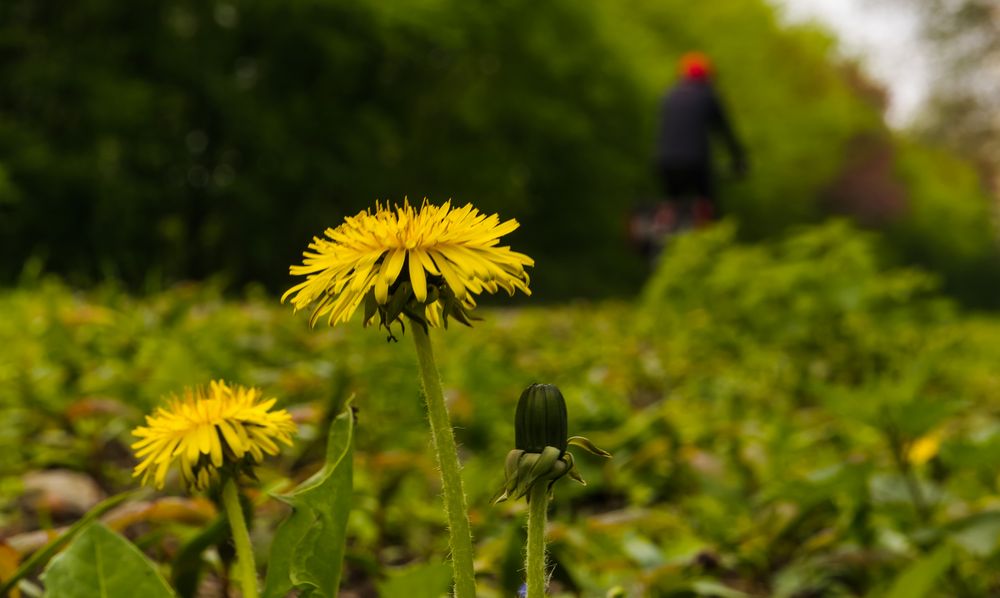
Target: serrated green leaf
pixel 308 548
pixel 920 577
pixel 101 564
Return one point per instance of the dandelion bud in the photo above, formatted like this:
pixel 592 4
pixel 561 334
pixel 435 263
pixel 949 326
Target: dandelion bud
pixel 540 419
pixel 540 441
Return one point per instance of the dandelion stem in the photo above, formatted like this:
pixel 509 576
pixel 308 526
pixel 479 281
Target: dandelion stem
pixel 447 456
pixel 538 504
pixel 899 455
pixel 246 569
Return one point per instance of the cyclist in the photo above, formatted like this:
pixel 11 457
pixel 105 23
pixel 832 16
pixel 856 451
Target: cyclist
pixel 691 115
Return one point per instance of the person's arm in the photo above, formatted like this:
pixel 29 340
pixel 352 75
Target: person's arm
pixel 722 127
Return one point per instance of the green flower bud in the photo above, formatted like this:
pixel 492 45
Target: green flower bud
pixel 540 419
pixel 540 439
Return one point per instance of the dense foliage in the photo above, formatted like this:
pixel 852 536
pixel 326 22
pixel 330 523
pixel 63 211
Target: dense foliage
pixel 786 419
pixel 185 139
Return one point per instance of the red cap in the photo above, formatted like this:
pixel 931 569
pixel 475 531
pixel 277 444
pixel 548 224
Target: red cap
pixel 695 65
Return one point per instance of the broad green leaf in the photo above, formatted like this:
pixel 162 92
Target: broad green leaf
pixel 42 556
pixel 102 564
pixel 920 578
pixel 432 580
pixel 308 547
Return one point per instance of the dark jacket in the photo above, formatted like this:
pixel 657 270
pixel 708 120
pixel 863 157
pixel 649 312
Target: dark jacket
pixel 689 114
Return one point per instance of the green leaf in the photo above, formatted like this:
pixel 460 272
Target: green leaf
pixel 978 534
pixel 920 578
pixel 42 556
pixel 432 580
pixel 308 548
pixel 102 564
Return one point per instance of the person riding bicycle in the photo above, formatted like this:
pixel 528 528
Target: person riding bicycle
pixel 691 113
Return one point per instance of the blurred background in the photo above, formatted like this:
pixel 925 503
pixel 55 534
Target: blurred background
pixel 186 140
pixel 802 400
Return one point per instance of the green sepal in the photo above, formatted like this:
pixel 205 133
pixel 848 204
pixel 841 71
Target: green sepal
pixel 542 467
pixel 572 472
pixel 459 312
pixel 510 476
pixel 403 302
pixel 432 294
pixel 537 467
pixel 510 465
pixel 416 315
pixel 397 301
pixel 588 446
pixel 521 481
pixel 371 307
pixel 447 303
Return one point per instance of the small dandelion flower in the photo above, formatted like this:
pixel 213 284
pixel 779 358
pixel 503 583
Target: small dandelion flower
pixel 205 430
pixel 427 264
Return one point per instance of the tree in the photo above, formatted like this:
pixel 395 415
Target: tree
pixel 963 107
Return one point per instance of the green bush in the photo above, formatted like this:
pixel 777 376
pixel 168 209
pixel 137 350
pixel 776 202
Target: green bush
pixel 786 418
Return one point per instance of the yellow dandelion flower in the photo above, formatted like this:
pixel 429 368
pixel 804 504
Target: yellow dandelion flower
pixel 925 448
pixel 206 429
pixel 427 264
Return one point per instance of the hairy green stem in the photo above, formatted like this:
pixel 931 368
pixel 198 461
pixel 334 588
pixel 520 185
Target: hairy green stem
pixel 246 569
pixel 538 505
pixel 447 457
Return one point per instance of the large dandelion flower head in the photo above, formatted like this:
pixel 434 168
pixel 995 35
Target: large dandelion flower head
pixel 427 264
pixel 206 430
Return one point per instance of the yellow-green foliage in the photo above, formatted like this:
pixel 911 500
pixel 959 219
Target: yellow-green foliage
pixel 785 418
pixel 951 224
